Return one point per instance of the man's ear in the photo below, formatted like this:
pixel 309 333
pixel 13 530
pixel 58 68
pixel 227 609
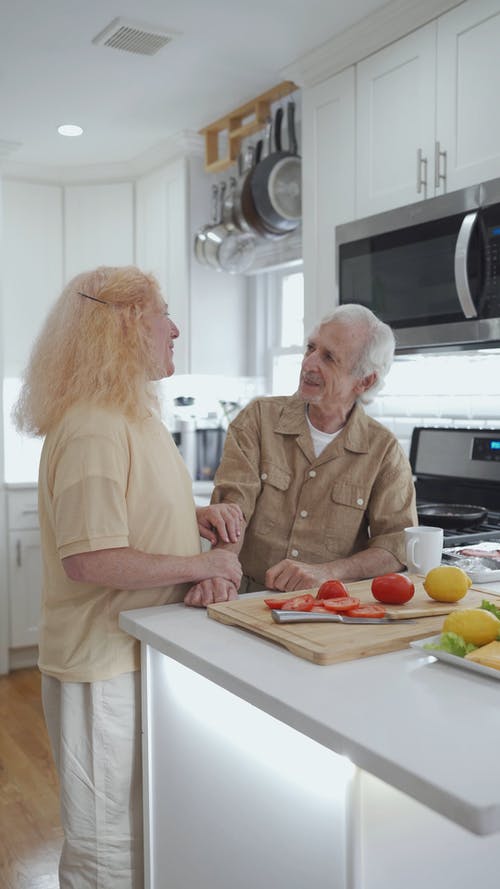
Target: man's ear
pixel 366 383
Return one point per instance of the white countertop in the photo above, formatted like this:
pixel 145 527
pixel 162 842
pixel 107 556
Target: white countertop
pixel 422 726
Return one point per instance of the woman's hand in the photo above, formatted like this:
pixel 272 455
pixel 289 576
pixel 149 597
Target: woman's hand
pixel 217 589
pixel 220 522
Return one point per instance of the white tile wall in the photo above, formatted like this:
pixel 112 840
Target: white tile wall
pixel 440 390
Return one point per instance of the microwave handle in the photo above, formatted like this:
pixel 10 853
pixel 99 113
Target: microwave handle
pixel 461 253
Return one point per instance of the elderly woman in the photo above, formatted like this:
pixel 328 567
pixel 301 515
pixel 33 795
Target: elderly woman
pixel 119 530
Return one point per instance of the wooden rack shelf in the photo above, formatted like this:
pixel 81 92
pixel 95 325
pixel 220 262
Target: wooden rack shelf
pixel 240 123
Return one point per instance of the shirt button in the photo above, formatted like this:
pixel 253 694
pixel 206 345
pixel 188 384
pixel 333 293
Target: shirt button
pixel 264 476
pixel 312 473
pixel 294 553
pixel 303 513
pixel 360 501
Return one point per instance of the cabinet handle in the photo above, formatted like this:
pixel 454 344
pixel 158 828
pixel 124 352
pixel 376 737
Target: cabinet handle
pixel 438 175
pixel 421 173
pixel 32 511
pixel 18 553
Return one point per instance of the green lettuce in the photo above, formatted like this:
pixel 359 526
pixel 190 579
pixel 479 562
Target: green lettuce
pixel 452 643
pixel 488 606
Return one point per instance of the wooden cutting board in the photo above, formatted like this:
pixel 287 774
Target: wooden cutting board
pixel 331 643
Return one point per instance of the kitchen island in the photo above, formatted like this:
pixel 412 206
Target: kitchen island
pixel 261 768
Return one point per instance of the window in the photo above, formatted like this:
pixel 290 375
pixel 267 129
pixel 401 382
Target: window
pixel 276 327
pixel 287 350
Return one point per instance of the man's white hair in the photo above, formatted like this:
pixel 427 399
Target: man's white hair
pixel 376 346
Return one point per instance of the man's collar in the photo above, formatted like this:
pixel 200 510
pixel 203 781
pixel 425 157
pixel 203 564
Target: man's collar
pixel 292 421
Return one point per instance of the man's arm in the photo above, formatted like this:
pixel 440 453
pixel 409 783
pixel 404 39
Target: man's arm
pixel 216 589
pixel 292 575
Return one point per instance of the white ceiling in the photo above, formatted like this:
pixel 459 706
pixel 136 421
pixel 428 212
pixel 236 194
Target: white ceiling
pixel 226 53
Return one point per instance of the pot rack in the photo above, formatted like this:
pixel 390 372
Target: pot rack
pixel 236 126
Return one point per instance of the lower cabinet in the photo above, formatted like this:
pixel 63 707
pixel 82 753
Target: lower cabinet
pixel 25 586
pixel 25 572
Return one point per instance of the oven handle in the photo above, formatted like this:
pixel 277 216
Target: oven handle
pixel 461 253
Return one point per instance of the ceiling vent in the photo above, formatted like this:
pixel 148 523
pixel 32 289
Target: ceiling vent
pixel 136 37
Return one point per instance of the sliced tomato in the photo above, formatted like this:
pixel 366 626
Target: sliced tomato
pixel 274 603
pixel 373 611
pixel 332 589
pixel 343 604
pixel 319 607
pixel 299 603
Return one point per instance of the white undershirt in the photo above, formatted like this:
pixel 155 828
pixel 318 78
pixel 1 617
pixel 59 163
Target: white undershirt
pixel 321 439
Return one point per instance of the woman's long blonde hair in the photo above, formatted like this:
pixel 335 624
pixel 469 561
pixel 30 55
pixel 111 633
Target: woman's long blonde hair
pixel 94 347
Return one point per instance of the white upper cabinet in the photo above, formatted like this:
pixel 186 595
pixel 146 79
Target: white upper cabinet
pixel 426 110
pixel 99 226
pixel 395 126
pixel 32 224
pixel 468 121
pixel 161 225
pixel 328 171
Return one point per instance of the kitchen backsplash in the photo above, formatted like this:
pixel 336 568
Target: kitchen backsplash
pixel 433 390
pixel 440 390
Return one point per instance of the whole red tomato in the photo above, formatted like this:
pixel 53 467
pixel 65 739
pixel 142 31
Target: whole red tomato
pixel 393 589
pixel 332 589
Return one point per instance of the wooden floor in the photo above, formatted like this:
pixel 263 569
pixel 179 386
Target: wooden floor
pixel 30 832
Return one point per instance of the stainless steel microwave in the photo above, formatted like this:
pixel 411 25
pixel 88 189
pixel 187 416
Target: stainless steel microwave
pixel 431 269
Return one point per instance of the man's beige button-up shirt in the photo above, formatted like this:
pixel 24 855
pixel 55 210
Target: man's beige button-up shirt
pixel 358 493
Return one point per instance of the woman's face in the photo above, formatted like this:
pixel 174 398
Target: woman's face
pixel 163 333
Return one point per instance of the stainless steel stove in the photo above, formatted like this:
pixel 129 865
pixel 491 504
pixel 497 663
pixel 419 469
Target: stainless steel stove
pixel 459 466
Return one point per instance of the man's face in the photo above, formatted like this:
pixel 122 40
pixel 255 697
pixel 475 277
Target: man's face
pixel 163 332
pixel 326 377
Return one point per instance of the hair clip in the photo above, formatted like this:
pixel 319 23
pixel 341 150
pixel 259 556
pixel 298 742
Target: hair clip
pixel 94 298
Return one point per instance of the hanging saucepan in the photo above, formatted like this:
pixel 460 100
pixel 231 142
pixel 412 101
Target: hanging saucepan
pixel 451 515
pixel 216 234
pixel 237 249
pixel 201 234
pixel 276 181
pixel 248 207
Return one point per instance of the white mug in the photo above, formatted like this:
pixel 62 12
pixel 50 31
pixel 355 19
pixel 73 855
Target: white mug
pixel 424 547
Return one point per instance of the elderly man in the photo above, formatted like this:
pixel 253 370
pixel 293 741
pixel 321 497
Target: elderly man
pixel 325 490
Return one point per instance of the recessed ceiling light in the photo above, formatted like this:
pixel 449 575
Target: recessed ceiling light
pixel 69 129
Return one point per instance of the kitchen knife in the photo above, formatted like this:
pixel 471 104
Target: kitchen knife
pixel 295 617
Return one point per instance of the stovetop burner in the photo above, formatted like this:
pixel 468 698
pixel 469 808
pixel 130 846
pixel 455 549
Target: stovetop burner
pixel 459 467
pixel 489 530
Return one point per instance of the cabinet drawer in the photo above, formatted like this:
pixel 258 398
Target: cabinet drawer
pixel 22 509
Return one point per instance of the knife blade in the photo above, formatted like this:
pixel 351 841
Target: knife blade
pixel 295 617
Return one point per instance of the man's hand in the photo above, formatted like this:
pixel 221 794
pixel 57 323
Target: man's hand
pixel 217 589
pixel 220 522
pixel 291 575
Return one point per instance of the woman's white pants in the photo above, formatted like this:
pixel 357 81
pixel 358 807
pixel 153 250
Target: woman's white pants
pixel 95 733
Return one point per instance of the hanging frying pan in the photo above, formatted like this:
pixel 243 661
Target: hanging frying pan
pixel 248 207
pixel 276 181
pixel 451 515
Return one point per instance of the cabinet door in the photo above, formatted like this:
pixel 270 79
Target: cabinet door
pixel 468 121
pixel 99 226
pixel 328 185
pixel 25 587
pixel 395 120
pixel 162 248
pixel 32 265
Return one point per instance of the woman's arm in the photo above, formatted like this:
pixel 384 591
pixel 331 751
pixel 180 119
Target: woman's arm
pixel 130 569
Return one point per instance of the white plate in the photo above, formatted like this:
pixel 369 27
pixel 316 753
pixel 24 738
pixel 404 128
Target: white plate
pixel 452 659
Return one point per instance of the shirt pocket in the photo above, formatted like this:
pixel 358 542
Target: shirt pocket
pixel 272 507
pixel 346 516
